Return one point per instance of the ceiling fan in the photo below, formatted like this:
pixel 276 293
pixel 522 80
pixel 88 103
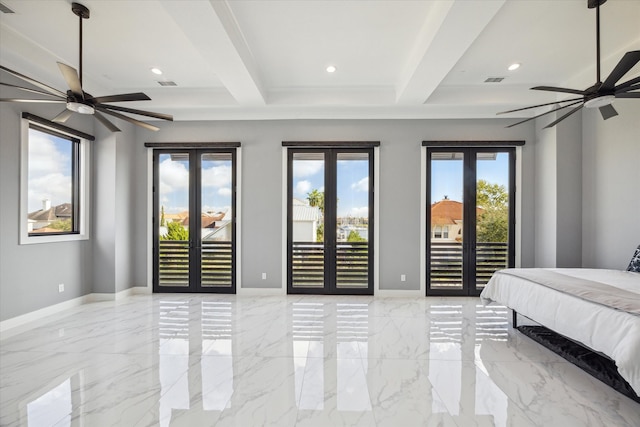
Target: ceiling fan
pixel 79 101
pixel 601 94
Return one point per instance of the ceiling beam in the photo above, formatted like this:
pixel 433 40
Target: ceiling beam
pixel 447 33
pixel 213 31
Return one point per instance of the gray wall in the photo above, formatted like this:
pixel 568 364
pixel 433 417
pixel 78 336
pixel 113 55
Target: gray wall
pixel 546 165
pixel 569 195
pixel 114 184
pixel 30 274
pixel 558 193
pixel 116 256
pixel 400 156
pixel 611 191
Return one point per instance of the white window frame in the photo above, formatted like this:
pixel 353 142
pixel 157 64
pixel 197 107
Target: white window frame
pixel 83 192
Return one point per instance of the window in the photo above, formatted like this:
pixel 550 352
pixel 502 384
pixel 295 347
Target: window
pixel 53 177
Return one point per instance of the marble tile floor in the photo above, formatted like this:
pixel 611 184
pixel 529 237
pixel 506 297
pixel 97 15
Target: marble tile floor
pixel 210 360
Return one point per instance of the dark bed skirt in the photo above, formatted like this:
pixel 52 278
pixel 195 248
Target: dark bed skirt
pixel 589 361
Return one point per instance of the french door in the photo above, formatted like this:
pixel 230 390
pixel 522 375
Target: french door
pixel 470 217
pixel 194 226
pixel 330 221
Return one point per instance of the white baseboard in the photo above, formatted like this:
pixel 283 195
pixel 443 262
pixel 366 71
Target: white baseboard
pixel 399 293
pixel 261 291
pixel 15 325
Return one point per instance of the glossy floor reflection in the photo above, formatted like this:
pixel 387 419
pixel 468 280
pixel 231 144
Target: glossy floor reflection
pixel 202 360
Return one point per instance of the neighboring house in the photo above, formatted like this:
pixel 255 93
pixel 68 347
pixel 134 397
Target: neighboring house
pixel 213 225
pixel 345 230
pixel 305 221
pixel 178 217
pixel 40 219
pixel 446 220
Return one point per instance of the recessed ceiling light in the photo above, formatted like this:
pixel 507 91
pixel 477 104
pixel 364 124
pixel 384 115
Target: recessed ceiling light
pixel 513 66
pixel 157 71
pixel 331 69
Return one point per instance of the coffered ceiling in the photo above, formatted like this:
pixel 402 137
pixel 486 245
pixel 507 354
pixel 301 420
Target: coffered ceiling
pixel 267 59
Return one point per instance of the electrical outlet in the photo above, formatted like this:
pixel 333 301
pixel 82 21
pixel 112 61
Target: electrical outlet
pixel 403 277
pixel 264 276
pixel 61 287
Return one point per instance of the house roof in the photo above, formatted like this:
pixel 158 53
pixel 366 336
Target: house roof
pixel 303 212
pixel 63 211
pixel 207 220
pixel 448 212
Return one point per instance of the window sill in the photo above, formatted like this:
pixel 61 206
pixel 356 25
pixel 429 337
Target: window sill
pixel 34 240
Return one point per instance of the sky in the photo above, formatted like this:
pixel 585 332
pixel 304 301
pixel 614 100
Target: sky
pixel 352 184
pixel 446 176
pixel 174 185
pixel 49 177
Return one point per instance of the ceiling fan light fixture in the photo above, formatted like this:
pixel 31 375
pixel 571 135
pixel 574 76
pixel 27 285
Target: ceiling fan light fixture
pixel 599 101
pixel 81 108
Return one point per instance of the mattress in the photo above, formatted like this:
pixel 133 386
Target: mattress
pixel 611 331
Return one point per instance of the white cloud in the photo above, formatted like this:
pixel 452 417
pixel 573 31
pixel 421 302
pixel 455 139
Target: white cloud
pixel 361 212
pixel 303 187
pixel 44 157
pixel 47 168
pixel 305 168
pixel 173 176
pixel 216 176
pixel 362 185
pixel 225 191
pixel 55 186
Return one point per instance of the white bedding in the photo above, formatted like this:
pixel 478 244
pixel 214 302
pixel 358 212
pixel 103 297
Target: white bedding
pixel 612 332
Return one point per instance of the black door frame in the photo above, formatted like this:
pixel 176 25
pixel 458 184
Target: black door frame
pixel 469 209
pixel 195 206
pixel 330 203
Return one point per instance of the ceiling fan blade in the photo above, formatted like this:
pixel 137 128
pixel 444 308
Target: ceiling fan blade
pixel 608 111
pixel 138 96
pixel 628 95
pixel 555 122
pixel 559 89
pixel 70 75
pixel 63 116
pixel 628 61
pixel 102 119
pixel 626 85
pixel 35 101
pixel 539 105
pixel 128 119
pixel 34 82
pixel 545 113
pixel 39 92
pixel 140 112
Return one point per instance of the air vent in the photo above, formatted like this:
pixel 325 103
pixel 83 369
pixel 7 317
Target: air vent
pixel 494 80
pixel 167 83
pixel 5 9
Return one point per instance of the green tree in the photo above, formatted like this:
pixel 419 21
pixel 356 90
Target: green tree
pixel 316 198
pixel 491 195
pixel 493 218
pixel 175 231
pixel 320 233
pixel 61 224
pixel 162 220
pixel 354 236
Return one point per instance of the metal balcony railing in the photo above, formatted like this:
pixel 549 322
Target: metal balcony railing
pixel 446 262
pixel 352 264
pixel 216 263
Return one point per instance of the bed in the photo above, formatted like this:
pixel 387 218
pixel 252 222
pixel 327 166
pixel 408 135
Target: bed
pixel 599 309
